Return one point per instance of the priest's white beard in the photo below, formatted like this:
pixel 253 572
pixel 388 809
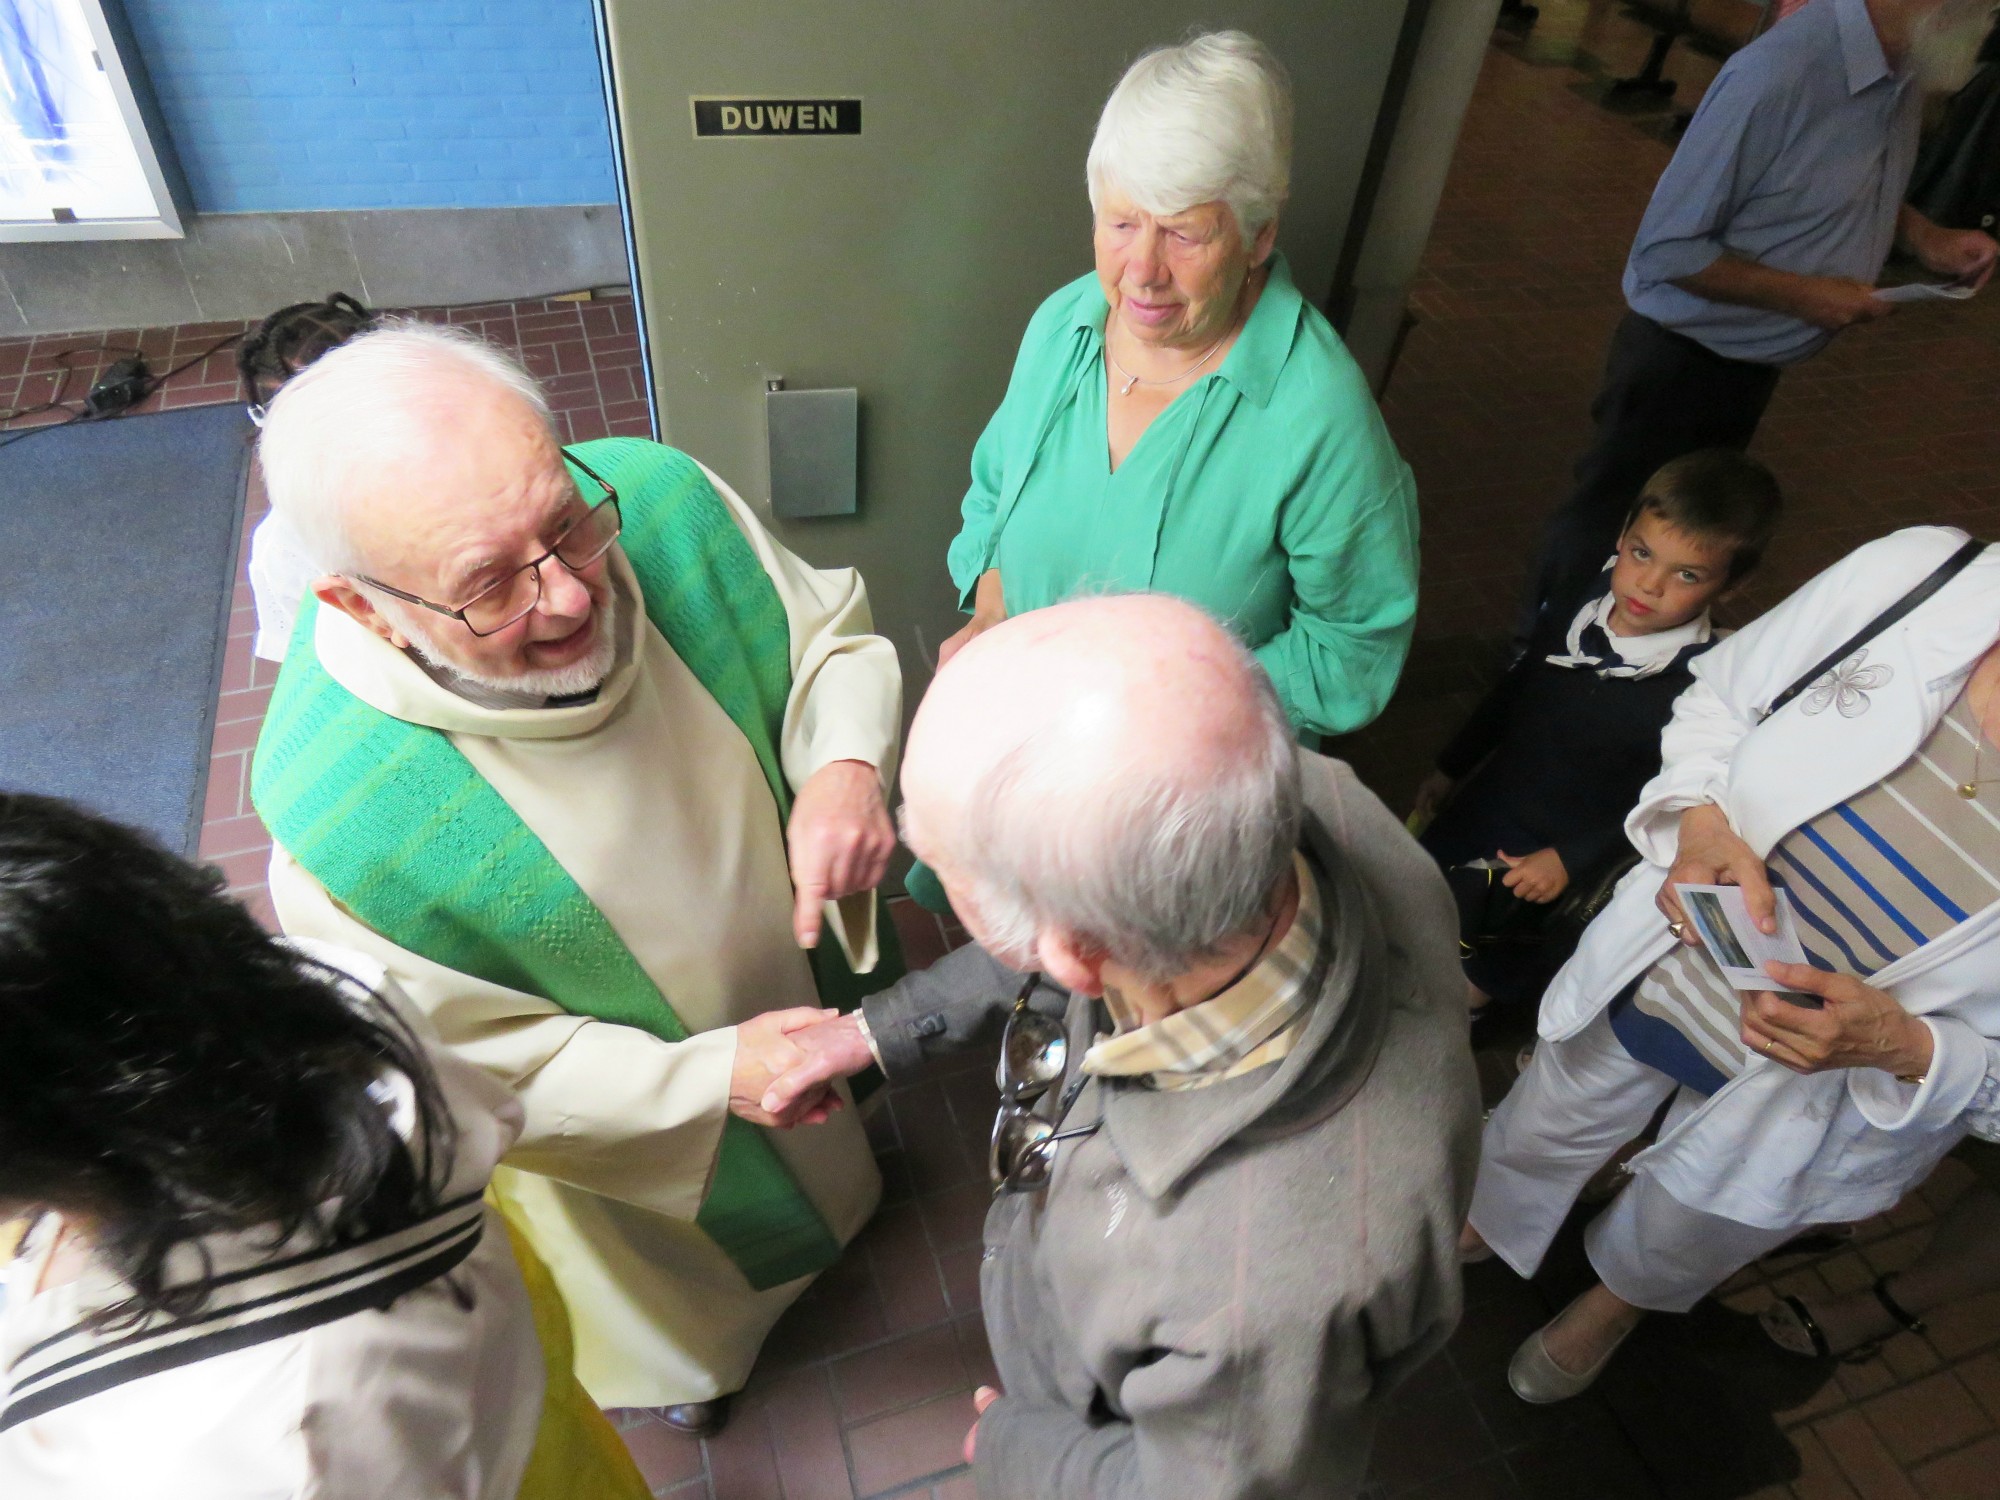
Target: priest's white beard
pixel 553 682
pixel 1944 46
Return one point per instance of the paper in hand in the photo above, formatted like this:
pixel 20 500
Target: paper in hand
pixel 1926 291
pixel 1740 951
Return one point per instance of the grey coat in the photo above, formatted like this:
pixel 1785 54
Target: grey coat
pixel 1220 1287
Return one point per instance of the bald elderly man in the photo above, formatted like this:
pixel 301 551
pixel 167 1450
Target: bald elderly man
pixel 587 760
pixel 1238 1121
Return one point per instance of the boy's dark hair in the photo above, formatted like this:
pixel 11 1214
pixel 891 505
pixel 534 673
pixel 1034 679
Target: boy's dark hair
pixel 171 1070
pixel 1720 494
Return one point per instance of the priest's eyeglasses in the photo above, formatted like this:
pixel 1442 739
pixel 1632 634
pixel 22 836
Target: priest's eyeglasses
pixel 499 605
pixel 1033 1052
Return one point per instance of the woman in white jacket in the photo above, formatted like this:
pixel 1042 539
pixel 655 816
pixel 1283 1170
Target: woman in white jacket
pixel 1873 797
pixel 259 1265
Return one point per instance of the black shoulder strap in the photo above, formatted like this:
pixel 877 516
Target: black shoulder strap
pixel 1936 579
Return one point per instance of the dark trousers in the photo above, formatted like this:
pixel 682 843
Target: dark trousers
pixel 1663 395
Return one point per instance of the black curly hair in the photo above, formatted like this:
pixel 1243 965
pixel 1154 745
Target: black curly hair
pixel 169 1070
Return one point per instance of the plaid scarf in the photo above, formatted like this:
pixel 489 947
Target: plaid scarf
pixel 1253 1022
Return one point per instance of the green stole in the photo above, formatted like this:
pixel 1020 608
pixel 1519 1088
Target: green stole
pixel 392 819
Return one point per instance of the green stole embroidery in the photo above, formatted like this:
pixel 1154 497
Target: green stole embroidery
pixel 392 819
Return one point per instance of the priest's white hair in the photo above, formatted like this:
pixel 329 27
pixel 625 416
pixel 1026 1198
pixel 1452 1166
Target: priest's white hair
pixel 1209 119
pixel 364 406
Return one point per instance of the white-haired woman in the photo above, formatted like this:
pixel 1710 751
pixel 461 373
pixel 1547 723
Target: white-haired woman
pixel 1184 421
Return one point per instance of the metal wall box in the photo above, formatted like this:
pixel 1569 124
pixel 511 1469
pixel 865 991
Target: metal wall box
pixel 814 448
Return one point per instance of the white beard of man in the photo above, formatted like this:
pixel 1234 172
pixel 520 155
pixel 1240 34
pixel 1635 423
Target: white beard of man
pixel 553 682
pixel 1944 47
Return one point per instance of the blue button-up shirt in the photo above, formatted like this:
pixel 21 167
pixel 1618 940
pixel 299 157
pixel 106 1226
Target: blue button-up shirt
pixel 1798 158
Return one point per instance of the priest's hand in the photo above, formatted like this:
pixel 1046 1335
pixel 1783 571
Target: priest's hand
pixel 765 1049
pixel 840 840
pixel 832 1049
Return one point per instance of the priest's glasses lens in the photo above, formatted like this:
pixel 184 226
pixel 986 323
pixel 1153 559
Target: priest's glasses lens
pixel 519 592
pixel 592 536
pixel 507 601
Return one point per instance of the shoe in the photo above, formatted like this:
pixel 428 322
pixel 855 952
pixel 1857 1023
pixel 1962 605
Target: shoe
pixel 697 1419
pixel 1787 1319
pixel 1537 1379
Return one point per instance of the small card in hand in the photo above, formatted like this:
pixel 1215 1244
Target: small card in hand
pixel 1740 951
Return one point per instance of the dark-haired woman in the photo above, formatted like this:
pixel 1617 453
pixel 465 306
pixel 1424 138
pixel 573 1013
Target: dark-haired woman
pixel 258 1262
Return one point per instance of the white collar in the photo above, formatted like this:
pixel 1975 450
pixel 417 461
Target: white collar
pixel 1638 655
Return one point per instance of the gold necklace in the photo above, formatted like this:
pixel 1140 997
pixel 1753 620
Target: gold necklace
pixel 1969 788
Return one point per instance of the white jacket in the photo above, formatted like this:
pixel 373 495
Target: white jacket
pixel 1772 1147
pixel 436 1398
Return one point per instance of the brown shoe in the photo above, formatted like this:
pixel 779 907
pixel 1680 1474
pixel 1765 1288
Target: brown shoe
pixel 697 1419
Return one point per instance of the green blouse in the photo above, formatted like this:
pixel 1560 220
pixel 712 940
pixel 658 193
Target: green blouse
pixel 1269 492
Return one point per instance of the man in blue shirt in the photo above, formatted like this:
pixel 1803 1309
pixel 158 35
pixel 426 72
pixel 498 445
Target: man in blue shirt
pixel 1763 239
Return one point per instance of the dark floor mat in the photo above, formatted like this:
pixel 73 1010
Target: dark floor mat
pixel 117 560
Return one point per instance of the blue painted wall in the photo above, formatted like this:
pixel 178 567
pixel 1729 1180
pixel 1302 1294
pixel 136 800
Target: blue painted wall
pixel 280 105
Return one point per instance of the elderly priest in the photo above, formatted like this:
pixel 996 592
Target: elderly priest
pixel 567 741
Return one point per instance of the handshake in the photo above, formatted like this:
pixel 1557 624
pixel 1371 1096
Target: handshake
pixel 786 1064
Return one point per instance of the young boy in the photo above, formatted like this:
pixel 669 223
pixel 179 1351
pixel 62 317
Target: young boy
pixel 1554 757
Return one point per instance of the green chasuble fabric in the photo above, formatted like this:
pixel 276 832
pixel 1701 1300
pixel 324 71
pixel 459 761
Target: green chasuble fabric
pixel 396 824
pixel 1270 493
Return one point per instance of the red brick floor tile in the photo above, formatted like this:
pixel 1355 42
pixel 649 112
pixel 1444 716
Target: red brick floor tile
pixel 975 1351
pixel 913 1368
pixel 840 1313
pixel 960 1269
pixel 897 1184
pixel 1861 1381
pixel 906 1272
pixel 964 1487
pixel 1908 1356
pixel 1430 1435
pixel 742 1466
pixel 1816 1403
pixel 1970 1474
pixel 1965 1326
pixel 1926 1418
pixel 244 870
pixel 1863 1457
pixel 245 705
pixel 1981 1376
pixel 957 1216
pixel 1820 1474
pixel 923 940
pixel 909 1445
pixel 234 836
pixel 223 801
pixel 938 1153
pixel 805 1438
pixel 664 1456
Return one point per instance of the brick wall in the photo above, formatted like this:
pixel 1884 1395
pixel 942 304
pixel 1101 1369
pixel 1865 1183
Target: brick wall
pixel 279 105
